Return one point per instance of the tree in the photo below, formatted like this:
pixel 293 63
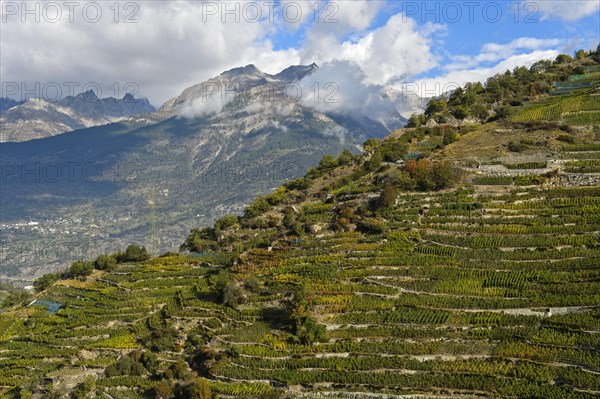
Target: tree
pixel 443 175
pixel 42 283
pixel 345 157
pixel 297 184
pixel 457 97
pixel 179 370
pixel 133 253
pixel 429 176
pixel 257 208
pixel 421 172
pixel 84 388
pixel 225 222
pixel 232 295
pixel 160 339
pixel 327 163
pixel 200 240
pixel 80 269
pixel 375 162
pixel 388 196
pixel 277 196
pixel 580 55
pixel 308 331
pixel 105 262
pixel 370 144
pixel 416 120
pixel 162 390
pixel 199 389
pixel 503 112
pixel 435 105
pixel 460 112
pixel 563 59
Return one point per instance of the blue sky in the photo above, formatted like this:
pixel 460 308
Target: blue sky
pixel 166 46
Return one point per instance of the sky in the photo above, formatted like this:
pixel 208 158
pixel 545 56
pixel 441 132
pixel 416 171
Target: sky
pixel 155 49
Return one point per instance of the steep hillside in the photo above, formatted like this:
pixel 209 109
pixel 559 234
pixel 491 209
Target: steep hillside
pixel 447 261
pixel 444 263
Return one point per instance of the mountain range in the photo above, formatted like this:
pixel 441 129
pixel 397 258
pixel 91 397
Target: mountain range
pixel 204 153
pixel 38 118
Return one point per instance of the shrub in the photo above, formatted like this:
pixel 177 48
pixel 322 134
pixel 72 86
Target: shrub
pixel 514 146
pixel 566 138
pixel 450 136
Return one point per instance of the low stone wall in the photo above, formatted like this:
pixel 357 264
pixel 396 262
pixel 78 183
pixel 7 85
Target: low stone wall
pixel 501 171
pixel 579 179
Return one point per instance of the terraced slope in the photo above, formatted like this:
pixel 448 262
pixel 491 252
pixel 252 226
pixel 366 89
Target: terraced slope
pixel 484 291
pixel 446 262
pixel 575 101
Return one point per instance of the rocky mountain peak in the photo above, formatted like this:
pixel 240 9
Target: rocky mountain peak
pixel 297 72
pixel 247 70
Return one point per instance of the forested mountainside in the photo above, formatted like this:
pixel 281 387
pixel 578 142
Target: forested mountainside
pixel 447 261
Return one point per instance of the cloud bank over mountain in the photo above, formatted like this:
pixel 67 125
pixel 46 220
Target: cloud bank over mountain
pixel 58 50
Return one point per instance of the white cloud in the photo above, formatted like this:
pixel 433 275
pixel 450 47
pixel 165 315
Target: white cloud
pixel 435 86
pixel 204 105
pixel 173 46
pixel 176 44
pixel 567 10
pixel 350 16
pixel 495 52
pixel 389 52
pixel 339 87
